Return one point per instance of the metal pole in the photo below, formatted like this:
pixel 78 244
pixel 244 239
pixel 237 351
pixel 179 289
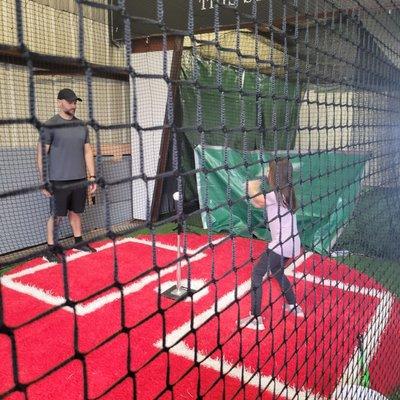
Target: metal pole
pixel 177 291
pixel 178 265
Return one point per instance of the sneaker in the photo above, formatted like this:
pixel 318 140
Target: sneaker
pixel 86 248
pixel 294 309
pixel 251 322
pixel 51 256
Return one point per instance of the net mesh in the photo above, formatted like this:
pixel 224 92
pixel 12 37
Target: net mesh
pixel 202 99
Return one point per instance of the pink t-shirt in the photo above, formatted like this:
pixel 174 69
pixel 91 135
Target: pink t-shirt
pixel 283 226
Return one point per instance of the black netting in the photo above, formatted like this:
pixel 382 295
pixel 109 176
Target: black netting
pixel 224 201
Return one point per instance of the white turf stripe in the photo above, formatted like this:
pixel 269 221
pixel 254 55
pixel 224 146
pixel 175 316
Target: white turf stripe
pixel 375 328
pixel 131 288
pixel 290 268
pixel 75 256
pixel 94 305
pixel 160 245
pixel 47 265
pixel 136 286
pixel 84 309
pixel 33 291
pixel 207 245
pixel 264 382
pixel 339 285
pixel 290 271
pixel 229 298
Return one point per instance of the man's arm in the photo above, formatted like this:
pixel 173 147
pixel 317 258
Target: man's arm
pixel 257 198
pixel 39 158
pixel 39 164
pixel 89 160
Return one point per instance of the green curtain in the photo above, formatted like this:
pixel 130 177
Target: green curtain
pixel 229 116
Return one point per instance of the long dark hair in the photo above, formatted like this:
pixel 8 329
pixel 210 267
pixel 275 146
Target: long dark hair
pixel 280 178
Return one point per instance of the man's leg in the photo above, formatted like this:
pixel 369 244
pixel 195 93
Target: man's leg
pixel 76 223
pixel 76 208
pixel 57 207
pixel 50 231
pixel 53 226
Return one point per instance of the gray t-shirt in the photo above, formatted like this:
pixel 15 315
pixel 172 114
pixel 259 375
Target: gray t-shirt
pixel 66 156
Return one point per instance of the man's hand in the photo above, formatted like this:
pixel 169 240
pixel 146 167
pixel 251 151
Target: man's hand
pixel 92 187
pixel 46 193
pixel 46 190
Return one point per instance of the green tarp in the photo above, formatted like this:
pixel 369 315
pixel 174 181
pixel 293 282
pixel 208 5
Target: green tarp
pixel 326 184
pixel 233 117
pixel 249 111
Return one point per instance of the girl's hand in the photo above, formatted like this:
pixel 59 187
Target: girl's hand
pixel 257 197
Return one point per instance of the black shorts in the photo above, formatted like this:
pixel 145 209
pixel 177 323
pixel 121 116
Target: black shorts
pixel 66 198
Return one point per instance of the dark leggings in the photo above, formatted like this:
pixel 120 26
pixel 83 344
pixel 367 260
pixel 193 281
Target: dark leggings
pixel 273 262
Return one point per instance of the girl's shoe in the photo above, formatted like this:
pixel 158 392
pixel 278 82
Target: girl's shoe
pixel 294 309
pixel 252 322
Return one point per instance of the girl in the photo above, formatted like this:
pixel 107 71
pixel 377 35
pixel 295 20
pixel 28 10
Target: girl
pixel 280 205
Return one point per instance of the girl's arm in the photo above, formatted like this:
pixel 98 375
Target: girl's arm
pixel 257 198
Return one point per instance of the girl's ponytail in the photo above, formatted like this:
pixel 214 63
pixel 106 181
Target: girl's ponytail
pixel 281 181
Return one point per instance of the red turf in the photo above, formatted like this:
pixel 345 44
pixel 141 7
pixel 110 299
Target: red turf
pixel 308 355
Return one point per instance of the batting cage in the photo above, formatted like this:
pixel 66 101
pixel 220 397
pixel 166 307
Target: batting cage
pixel 199 199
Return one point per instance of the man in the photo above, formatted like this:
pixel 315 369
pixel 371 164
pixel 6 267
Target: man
pixel 68 159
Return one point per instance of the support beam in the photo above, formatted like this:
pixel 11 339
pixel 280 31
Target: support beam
pixel 46 64
pixel 166 135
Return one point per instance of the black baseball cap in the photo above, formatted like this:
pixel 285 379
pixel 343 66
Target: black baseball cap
pixel 68 94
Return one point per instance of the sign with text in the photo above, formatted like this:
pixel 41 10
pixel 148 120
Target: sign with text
pixel 153 17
